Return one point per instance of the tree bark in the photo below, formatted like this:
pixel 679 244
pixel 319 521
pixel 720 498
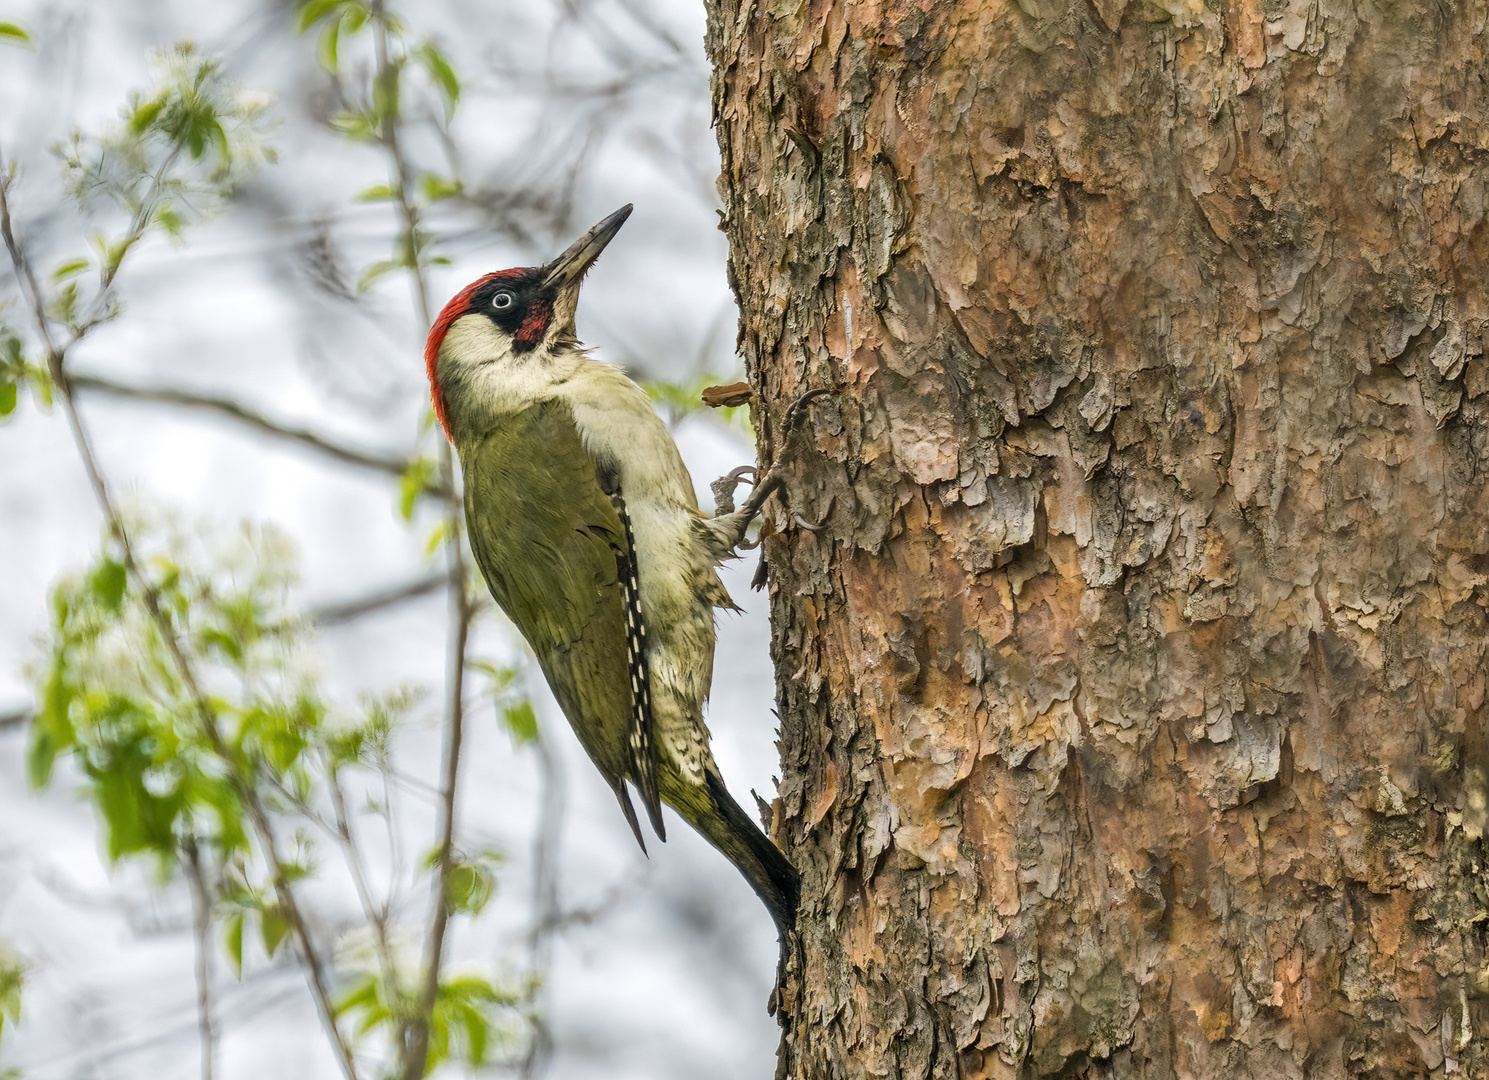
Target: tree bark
pixel 1132 688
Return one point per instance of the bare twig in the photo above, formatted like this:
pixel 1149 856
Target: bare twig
pixel 14 719
pixel 375 914
pixel 201 917
pixel 346 610
pixel 242 414
pixel 546 912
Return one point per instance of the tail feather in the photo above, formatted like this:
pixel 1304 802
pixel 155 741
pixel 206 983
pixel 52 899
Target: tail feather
pixel 763 865
pixel 624 798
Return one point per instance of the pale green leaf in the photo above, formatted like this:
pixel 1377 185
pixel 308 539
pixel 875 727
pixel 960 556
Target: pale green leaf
pixel 326 49
pixel 436 187
pixel 272 928
pixel 377 193
pixel 520 720
pixel 375 271
pixel 233 939
pixel 313 12
pixel 442 73
pixel 71 268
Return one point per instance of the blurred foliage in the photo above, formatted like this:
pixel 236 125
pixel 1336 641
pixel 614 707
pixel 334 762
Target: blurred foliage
pixel 177 676
pixel 167 784
pixel 12 979
pixel 376 105
pixel 17 371
pixel 470 1016
pixel 178 152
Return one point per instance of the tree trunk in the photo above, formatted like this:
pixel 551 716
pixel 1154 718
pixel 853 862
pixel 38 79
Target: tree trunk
pixel 1132 688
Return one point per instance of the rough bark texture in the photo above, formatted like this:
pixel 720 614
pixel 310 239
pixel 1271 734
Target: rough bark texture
pixel 1132 691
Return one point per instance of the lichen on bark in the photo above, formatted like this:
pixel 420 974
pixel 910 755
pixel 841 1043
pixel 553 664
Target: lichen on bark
pixel 1132 688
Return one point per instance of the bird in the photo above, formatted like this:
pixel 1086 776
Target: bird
pixel 583 520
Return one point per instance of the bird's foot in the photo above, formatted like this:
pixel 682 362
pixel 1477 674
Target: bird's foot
pixel 725 486
pixel 731 525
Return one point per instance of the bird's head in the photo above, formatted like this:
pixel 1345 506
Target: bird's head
pixel 512 317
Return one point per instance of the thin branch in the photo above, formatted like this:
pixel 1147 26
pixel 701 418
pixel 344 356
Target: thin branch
pixel 547 837
pixel 242 414
pixel 377 916
pixel 15 719
pixel 345 611
pixel 201 917
pixel 416 1048
pixel 416 1042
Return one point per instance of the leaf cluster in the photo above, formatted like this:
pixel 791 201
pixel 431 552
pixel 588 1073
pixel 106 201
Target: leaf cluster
pixel 17 371
pixel 470 1016
pixel 179 150
pixel 160 774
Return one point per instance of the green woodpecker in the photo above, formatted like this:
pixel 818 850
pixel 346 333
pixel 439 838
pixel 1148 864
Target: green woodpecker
pixel 583 520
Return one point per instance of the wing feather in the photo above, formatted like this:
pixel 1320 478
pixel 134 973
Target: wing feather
pixel 556 551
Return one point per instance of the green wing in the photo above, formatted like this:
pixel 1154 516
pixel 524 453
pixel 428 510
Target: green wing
pixel 555 550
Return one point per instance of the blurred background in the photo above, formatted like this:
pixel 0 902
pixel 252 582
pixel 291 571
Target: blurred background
pixel 624 966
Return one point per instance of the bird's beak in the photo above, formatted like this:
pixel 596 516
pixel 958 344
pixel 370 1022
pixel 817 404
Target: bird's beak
pixel 565 272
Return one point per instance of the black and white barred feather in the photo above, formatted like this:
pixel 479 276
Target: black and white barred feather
pixel 641 740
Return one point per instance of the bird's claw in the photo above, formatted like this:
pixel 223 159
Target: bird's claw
pixel 724 487
pixel 763 484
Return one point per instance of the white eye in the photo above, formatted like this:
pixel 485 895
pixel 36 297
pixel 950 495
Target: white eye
pixel 502 300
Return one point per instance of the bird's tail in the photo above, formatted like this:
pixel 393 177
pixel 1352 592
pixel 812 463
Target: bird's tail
pixel 724 824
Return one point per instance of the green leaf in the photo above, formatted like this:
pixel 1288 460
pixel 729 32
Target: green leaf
pixel 213 639
pixel 326 48
pixel 377 193
pixel 521 722
pixel 52 731
pixel 412 484
pixel 167 218
pixel 232 938
pixel 41 385
pixel 442 73
pixel 501 677
pixel 437 536
pixel 313 12
pixel 355 125
pixel 375 271
pixel 272 927
pixel 436 187
pixel 13 34
pixel 41 755
pixel 477 1035
pixel 71 268
pixel 144 114
pixel 468 888
pixel 12 980
pixel 65 305
pixel 359 995
pixel 114 254
pixel 106 584
pixel 7 397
